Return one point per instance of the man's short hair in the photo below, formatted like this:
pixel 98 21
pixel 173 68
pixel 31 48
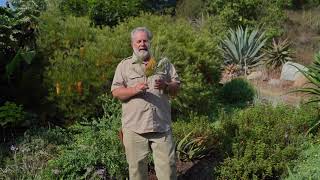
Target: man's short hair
pixel 143 29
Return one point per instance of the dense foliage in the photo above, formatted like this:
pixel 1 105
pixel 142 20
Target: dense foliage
pixel 251 13
pixel 11 114
pixel 86 59
pixel 96 148
pixel 308 164
pixel 237 91
pixel 265 140
pixel 197 137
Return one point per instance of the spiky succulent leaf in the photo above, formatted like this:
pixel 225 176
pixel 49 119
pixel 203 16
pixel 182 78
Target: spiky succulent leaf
pixel 243 47
pixel 278 53
pixel 313 75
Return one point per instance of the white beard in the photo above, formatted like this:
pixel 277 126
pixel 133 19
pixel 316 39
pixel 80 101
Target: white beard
pixel 143 54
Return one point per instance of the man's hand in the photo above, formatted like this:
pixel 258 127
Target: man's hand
pixel 125 93
pixel 172 87
pixel 141 87
pixel 160 84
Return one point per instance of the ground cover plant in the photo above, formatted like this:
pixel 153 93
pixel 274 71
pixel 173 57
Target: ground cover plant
pixel 96 152
pixel 307 164
pixel 265 139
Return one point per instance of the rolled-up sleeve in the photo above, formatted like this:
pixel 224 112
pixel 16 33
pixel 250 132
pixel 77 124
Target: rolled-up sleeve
pixel 118 79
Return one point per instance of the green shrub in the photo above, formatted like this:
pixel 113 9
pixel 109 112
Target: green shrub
pixel 251 13
pixel 192 51
pixel 112 12
pixel 11 114
pixel 296 4
pixel 237 91
pixel 265 140
pixel 313 75
pixel 106 13
pixel 189 8
pixel 81 63
pixel 197 137
pixel 96 147
pixel 75 7
pixel 307 166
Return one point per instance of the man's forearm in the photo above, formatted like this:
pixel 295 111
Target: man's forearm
pixel 124 93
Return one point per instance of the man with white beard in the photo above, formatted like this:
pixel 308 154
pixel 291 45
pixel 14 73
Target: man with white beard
pixel 146 111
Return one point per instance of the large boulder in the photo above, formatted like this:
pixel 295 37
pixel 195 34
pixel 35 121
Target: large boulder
pixel 290 72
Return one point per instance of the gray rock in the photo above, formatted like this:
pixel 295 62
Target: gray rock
pixel 290 72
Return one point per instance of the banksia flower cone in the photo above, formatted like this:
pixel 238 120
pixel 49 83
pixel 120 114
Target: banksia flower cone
pixel 58 88
pixel 82 51
pixel 151 67
pixel 79 87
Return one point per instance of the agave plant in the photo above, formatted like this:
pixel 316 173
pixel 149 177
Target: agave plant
pixel 242 47
pixel 278 53
pixel 313 75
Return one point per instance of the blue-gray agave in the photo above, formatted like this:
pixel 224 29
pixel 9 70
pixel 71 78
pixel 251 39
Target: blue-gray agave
pixel 242 47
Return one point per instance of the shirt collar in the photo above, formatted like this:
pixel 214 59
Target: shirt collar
pixel 134 58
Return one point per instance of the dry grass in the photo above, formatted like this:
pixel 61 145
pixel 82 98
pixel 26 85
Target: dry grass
pixel 303 29
pixel 277 92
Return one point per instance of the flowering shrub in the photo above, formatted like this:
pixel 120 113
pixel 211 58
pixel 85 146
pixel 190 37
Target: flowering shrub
pixel 82 60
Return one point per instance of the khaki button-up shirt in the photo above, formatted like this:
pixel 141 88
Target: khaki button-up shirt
pixel 149 111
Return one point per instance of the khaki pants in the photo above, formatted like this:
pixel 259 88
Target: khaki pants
pixel 138 146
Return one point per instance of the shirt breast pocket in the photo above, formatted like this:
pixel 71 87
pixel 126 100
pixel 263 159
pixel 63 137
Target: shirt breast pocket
pixel 133 79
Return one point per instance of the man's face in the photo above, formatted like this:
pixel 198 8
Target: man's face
pixel 140 44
